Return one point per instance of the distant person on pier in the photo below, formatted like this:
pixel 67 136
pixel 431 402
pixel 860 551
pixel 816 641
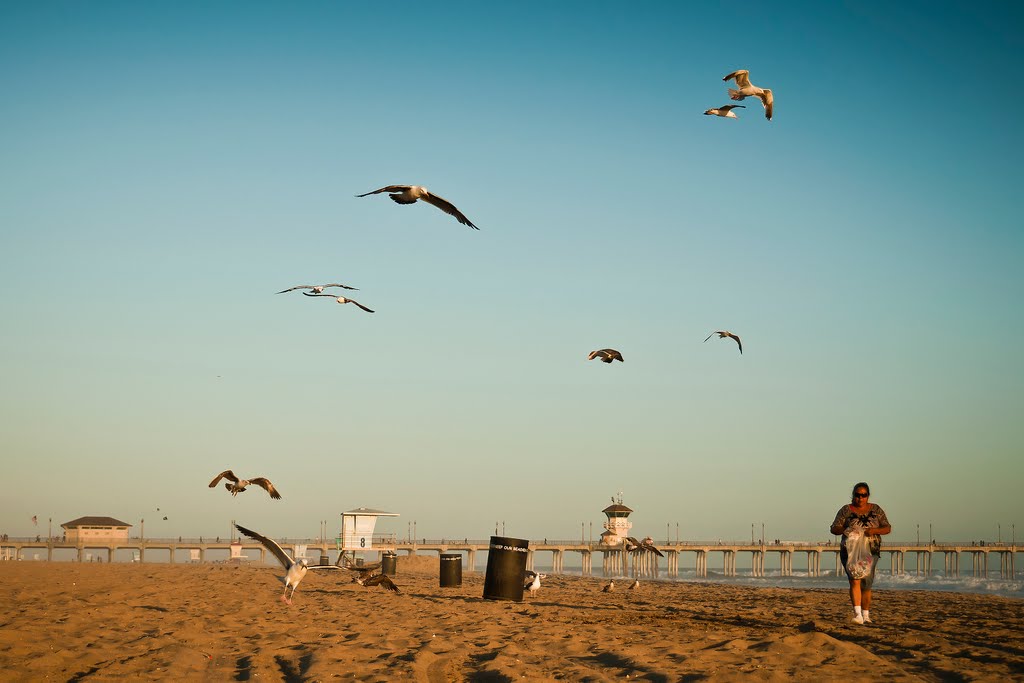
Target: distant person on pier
pixel 870 518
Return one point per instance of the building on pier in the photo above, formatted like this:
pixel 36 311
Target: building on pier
pixel 618 524
pixel 95 529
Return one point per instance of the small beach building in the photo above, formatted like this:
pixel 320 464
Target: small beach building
pixel 95 529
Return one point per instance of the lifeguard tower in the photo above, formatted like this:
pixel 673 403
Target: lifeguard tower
pixel 357 530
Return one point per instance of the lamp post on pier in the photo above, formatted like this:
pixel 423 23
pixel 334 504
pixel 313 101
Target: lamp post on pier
pixel 751 533
pixel 762 533
pixel 919 534
pixel 999 532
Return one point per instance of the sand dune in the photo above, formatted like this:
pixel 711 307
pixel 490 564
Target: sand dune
pixel 76 622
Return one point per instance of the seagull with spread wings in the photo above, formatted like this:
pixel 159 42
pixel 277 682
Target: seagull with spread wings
pixel 725 111
pixel 365 577
pixel 236 485
pixel 722 334
pixel 408 194
pixel 341 300
pixel 644 546
pixel 606 355
pixel 316 288
pixel 744 89
pixel 295 570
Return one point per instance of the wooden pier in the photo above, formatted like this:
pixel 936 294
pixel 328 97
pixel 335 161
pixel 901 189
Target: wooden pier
pixel 613 562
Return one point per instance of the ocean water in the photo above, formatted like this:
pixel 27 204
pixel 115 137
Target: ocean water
pixel 992 584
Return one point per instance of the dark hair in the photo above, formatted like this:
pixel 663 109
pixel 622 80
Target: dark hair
pixel 860 484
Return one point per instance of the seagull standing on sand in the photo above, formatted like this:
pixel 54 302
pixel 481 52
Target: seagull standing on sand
pixel 606 356
pixel 532 583
pixel 408 194
pixel 725 111
pixel 636 584
pixel 295 570
pixel 747 89
pixel 609 587
pixel 316 288
pixel 722 334
pixel 341 300
pixel 236 485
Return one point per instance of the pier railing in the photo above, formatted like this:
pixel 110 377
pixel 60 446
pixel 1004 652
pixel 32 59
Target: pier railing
pixel 392 539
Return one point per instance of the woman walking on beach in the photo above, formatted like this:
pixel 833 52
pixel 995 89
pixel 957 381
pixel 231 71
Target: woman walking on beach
pixel 861 517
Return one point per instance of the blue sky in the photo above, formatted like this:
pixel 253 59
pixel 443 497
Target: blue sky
pixel 167 167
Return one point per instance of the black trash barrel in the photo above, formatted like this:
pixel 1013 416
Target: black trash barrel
pixel 451 570
pixel 324 559
pixel 389 563
pixel 506 567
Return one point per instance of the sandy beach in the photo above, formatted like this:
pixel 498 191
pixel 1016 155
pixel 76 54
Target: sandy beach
pixel 72 622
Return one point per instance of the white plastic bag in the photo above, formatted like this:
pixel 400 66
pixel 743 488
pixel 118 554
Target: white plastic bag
pixel 859 560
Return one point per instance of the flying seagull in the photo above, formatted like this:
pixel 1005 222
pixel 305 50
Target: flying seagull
pixel 382 580
pixel 606 356
pixel 722 334
pixel 633 546
pixel 236 485
pixel 609 587
pixel 748 89
pixel 532 581
pixel 295 569
pixel 341 300
pixel 317 288
pixel 408 194
pixel 725 110
pixel 365 577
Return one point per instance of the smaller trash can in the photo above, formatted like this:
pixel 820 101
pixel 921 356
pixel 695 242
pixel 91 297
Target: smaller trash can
pixel 389 563
pixel 506 568
pixel 451 570
pixel 324 559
